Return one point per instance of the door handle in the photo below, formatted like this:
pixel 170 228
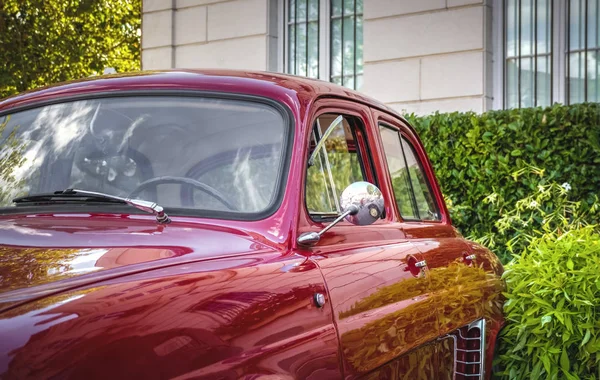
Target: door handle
pixel 415 267
pixel 468 259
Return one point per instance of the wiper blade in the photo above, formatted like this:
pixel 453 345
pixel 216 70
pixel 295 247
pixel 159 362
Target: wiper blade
pixel 65 196
pixel 84 196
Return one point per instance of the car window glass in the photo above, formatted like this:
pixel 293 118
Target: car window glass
pixel 156 147
pixel 398 172
pixel 336 165
pixel 411 189
pixel 421 189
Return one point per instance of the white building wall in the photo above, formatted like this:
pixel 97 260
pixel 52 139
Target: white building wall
pixel 420 55
pixel 229 34
pixel 427 55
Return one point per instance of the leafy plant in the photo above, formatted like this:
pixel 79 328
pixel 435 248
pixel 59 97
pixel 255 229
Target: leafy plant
pixel 43 42
pixel 553 307
pixel 11 159
pixel 553 285
pixel 548 209
pixel 475 155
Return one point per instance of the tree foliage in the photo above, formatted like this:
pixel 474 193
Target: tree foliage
pixel 44 42
pixel 11 158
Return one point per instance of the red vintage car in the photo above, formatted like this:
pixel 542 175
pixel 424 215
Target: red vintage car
pixel 225 225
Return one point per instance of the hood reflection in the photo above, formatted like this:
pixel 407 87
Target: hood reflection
pixel 25 267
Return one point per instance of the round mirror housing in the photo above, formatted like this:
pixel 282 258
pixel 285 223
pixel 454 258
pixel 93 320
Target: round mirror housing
pixel 367 198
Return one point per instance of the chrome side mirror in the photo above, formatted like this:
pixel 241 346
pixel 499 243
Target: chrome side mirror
pixel 361 204
pixel 367 198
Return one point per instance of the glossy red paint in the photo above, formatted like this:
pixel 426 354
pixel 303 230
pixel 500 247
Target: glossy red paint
pixel 209 298
pixel 235 317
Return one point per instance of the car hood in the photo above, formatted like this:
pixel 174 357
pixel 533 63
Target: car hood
pixel 44 254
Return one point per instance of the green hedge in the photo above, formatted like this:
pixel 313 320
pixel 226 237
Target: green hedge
pixel 475 156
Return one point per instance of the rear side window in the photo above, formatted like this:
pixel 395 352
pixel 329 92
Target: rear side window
pixel 336 165
pixel 411 189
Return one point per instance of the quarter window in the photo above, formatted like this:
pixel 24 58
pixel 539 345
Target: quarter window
pixel 411 189
pixel 336 164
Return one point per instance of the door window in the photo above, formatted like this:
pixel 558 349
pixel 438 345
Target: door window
pixel 411 189
pixel 336 165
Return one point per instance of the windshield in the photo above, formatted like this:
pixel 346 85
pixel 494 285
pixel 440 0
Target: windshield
pixel 180 152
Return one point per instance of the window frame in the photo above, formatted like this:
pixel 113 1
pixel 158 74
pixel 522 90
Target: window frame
pixel 585 50
pixel 365 158
pixel 325 36
pixel 341 17
pixel 559 25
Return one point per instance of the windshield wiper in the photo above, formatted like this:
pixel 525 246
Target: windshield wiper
pixel 84 196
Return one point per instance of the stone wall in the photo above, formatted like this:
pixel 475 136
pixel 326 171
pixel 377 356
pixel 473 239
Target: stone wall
pixel 420 55
pixel 232 34
pixel 428 55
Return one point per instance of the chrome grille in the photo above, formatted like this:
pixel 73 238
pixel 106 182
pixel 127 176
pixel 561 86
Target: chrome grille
pixel 469 351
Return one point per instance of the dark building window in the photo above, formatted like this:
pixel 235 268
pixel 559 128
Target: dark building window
pixel 303 38
pixel 583 47
pixel 346 62
pixel 527 53
pixel 336 26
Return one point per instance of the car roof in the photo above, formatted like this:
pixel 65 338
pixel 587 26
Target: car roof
pixel 253 82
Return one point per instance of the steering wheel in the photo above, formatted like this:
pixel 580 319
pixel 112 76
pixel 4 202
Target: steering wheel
pixel 188 181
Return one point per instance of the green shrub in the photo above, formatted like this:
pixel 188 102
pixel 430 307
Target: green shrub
pixel 553 309
pixel 552 304
pixel 476 155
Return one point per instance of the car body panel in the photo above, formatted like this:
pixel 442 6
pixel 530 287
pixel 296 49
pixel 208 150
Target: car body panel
pixel 67 250
pixel 382 306
pixel 229 318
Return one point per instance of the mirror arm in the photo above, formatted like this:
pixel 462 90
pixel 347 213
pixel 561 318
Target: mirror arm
pixel 312 238
pixel 352 210
pixel 338 120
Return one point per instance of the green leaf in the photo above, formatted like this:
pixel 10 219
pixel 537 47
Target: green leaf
pixel 570 264
pixel 564 361
pixel 586 338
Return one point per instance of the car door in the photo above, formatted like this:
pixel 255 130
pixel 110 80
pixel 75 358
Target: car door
pixel 459 284
pixel 382 307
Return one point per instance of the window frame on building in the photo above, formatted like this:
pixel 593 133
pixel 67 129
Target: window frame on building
pixel 524 53
pixel 559 46
pixel 582 51
pixel 325 43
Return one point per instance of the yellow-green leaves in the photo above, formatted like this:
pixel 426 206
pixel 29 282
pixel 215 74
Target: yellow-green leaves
pixel 44 42
pixel 553 307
